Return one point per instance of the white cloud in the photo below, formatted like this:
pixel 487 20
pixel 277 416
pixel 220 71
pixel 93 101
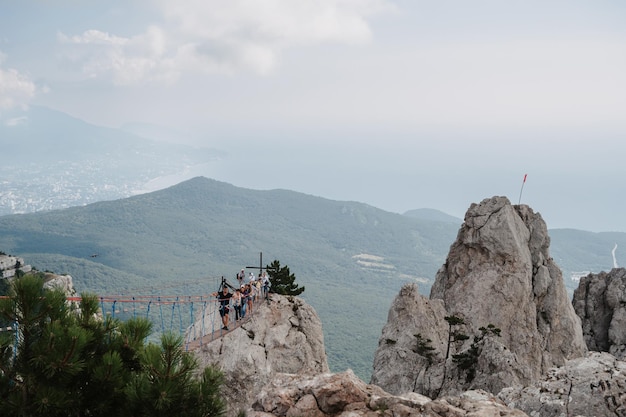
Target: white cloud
pixel 16 121
pixel 16 89
pixel 216 36
pixel 547 82
pixel 274 22
pixel 497 84
pixel 94 37
pixel 124 60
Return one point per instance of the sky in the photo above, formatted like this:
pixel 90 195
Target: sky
pixel 401 104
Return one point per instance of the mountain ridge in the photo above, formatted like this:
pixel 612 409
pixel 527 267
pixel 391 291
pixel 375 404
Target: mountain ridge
pixel 353 258
pixel 433 215
pixel 205 227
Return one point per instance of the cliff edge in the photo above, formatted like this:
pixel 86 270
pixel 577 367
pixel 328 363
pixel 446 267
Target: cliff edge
pixel 498 313
pixel 282 336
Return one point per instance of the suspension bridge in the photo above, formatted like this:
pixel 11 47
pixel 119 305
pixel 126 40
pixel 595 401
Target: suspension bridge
pixel 196 317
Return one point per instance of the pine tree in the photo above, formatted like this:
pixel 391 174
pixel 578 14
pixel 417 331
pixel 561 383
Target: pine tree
pixel 169 387
pixel 283 282
pixel 68 362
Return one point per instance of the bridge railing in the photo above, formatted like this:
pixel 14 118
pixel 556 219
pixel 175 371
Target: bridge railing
pixel 196 317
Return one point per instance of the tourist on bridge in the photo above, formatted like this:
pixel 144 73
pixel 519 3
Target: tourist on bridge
pixel 266 285
pixel 237 304
pixel 250 291
pixel 224 299
pixel 245 297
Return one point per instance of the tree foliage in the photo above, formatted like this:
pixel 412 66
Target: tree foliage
pixel 64 360
pixel 283 282
pixel 454 337
pixel 425 348
pixel 468 360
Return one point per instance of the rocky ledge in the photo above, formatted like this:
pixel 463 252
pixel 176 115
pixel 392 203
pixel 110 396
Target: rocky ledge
pixel 345 395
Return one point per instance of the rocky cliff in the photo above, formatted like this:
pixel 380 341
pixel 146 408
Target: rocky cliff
pixel 343 394
pixel 283 336
pixel 9 265
pixel 498 313
pixel 600 301
pixel 59 282
pixel 594 385
pixel 275 365
pixel 498 321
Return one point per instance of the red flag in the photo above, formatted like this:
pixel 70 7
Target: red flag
pixel 522 189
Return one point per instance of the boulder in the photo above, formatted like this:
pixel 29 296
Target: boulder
pixel 345 395
pixel 59 282
pixel 594 385
pixel 9 265
pixel 600 302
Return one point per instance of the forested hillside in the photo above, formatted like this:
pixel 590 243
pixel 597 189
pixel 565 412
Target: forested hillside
pixel 352 258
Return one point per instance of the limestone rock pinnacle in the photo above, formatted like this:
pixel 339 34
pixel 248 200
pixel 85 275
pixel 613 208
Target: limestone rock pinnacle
pixel 498 273
pixel 283 336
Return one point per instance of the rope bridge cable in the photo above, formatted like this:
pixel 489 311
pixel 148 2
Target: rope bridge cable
pixel 204 322
pixel 202 325
pixel 211 282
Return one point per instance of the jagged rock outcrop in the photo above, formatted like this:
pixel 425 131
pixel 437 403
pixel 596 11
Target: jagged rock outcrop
pixel 594 385
pixel 60 282
pixel 600 302
pixel 498 272
pixel 343 394
pixel 405 361
pixel 9 265
pixel 399 365
pixel 283 336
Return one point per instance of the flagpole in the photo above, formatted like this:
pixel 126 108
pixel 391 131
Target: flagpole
pixel 522 189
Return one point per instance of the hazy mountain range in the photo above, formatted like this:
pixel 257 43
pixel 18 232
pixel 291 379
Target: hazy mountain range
pixel 352 258
pixel 51 160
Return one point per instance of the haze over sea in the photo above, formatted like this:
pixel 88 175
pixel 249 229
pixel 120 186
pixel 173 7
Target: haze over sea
pixel 400 104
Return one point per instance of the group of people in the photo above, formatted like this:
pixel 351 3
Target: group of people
pixel 243 297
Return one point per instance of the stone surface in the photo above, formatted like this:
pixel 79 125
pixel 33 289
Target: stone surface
pixel 284 336
pixel 594 385
pixel 9 265
pixel 600 302
pixel 343 394
pixel 60 282
pixel 398 365
pixel 498 272
pixel 402 365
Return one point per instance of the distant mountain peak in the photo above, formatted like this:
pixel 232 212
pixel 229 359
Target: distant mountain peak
pixel 432 215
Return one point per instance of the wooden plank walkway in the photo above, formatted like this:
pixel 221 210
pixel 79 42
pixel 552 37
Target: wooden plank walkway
pixel 197 343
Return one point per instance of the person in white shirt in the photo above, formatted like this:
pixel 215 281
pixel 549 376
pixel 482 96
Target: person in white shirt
pixel 266 285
